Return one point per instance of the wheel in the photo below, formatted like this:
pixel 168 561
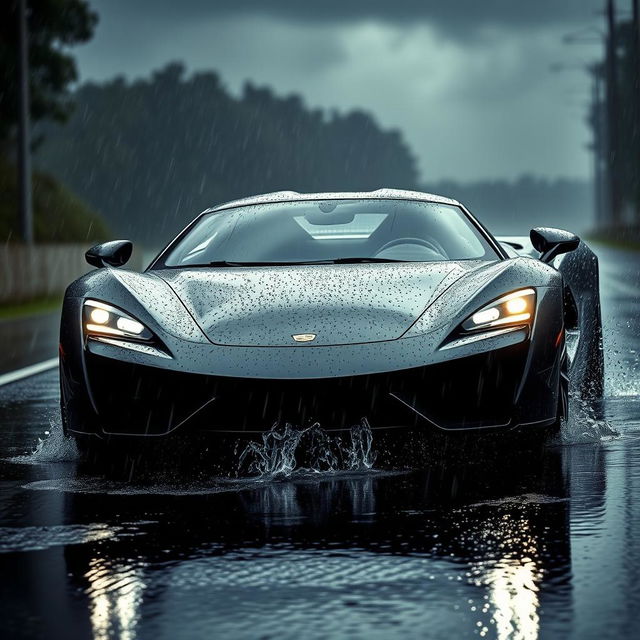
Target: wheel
pixel 71 416
pixel 562 412
pixel 563 389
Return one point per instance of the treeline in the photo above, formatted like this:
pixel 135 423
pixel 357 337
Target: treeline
pixel 152 153
pixel 513 207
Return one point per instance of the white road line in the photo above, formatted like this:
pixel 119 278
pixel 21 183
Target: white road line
pixel 32 370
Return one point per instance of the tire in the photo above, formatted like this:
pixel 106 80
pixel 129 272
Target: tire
pixel 70 415
pixel 66 416
pixel 562 412
pixel 593 382
pixel 581 274
pixel 563 389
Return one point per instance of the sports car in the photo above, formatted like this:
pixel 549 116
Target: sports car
pixel 395 306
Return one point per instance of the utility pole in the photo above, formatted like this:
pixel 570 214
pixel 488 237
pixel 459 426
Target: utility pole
pixel 24 136
pixel 635 134
pixel 636 41
pixel 599 142
pixel 613 146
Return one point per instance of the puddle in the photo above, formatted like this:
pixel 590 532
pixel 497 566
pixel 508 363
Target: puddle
pixel 523 499
pixel 16 539
pixel 211 486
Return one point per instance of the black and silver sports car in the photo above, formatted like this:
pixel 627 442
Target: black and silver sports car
pixel 394 306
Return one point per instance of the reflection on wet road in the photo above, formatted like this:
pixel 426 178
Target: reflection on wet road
pixel 519 544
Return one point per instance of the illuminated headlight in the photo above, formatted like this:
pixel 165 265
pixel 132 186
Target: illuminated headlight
pixel 104 320
pixel 516 308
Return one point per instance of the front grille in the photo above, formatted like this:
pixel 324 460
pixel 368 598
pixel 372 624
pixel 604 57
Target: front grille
pixel 470 392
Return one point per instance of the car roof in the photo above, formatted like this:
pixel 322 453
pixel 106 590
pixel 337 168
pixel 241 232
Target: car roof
pixel 293 196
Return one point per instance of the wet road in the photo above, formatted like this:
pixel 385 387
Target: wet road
pixel 28 340
pixel 518 544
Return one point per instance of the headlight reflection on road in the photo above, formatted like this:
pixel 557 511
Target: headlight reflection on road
pixel 510 580
pixel 115 593
pixel 513 592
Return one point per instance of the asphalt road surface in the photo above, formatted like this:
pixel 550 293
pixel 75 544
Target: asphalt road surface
pixel 516 544
pixel 28 340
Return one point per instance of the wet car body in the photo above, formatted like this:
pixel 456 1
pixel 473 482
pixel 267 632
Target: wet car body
pixel 235 348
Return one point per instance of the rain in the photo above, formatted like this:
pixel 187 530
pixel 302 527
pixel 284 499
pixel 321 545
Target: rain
pixel 319 319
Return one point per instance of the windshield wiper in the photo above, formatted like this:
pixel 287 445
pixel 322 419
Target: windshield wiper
pixel 227 263
pixel 362 260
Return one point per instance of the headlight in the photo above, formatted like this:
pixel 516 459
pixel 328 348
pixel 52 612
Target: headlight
pixel 513 309
pixel 103 319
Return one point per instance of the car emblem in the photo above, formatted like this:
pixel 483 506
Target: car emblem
pixel 304 337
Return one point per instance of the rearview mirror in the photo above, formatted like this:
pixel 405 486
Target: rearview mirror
pixel 552 242
pixel 109 254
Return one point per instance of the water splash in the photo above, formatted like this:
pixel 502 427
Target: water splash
pixel 623 379
pixel 585 424
pixel 283 446
pixel 53 447
pixel 276 454
pixel 359 452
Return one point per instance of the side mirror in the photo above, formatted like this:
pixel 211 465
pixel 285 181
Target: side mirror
pixel 109 254
pixel 552 242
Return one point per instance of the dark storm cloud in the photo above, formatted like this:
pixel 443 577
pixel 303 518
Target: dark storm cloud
pixel 454 16
pixel 451 74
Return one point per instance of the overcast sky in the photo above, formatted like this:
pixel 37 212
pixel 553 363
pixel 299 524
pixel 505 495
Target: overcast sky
pixel 467 81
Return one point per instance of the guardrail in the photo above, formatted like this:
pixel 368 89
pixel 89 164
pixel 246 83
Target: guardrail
pixel 42 270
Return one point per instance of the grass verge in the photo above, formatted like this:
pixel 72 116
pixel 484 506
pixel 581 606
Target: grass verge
pixel 617 238
pixel 30 308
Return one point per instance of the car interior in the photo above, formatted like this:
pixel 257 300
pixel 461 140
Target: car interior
pixel 314 232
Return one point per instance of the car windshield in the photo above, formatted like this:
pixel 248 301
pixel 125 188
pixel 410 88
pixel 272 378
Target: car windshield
pixel 368 230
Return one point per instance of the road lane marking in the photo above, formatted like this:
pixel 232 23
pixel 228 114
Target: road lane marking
pixel 32 370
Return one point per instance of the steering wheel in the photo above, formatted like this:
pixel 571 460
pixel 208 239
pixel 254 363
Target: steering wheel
pixel 431 245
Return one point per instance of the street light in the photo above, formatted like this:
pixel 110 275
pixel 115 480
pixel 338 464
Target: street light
pixel 612 115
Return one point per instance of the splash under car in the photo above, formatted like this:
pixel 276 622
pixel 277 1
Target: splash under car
pixel 394 306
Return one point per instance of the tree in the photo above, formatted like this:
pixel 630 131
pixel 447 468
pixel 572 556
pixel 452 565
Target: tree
pixel 52 25
pixel 151 153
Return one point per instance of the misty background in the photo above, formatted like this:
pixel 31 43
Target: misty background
pixel 179 106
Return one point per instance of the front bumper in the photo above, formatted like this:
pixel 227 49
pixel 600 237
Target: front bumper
pixel 477 392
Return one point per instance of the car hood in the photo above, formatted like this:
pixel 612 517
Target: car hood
pixel 339 304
